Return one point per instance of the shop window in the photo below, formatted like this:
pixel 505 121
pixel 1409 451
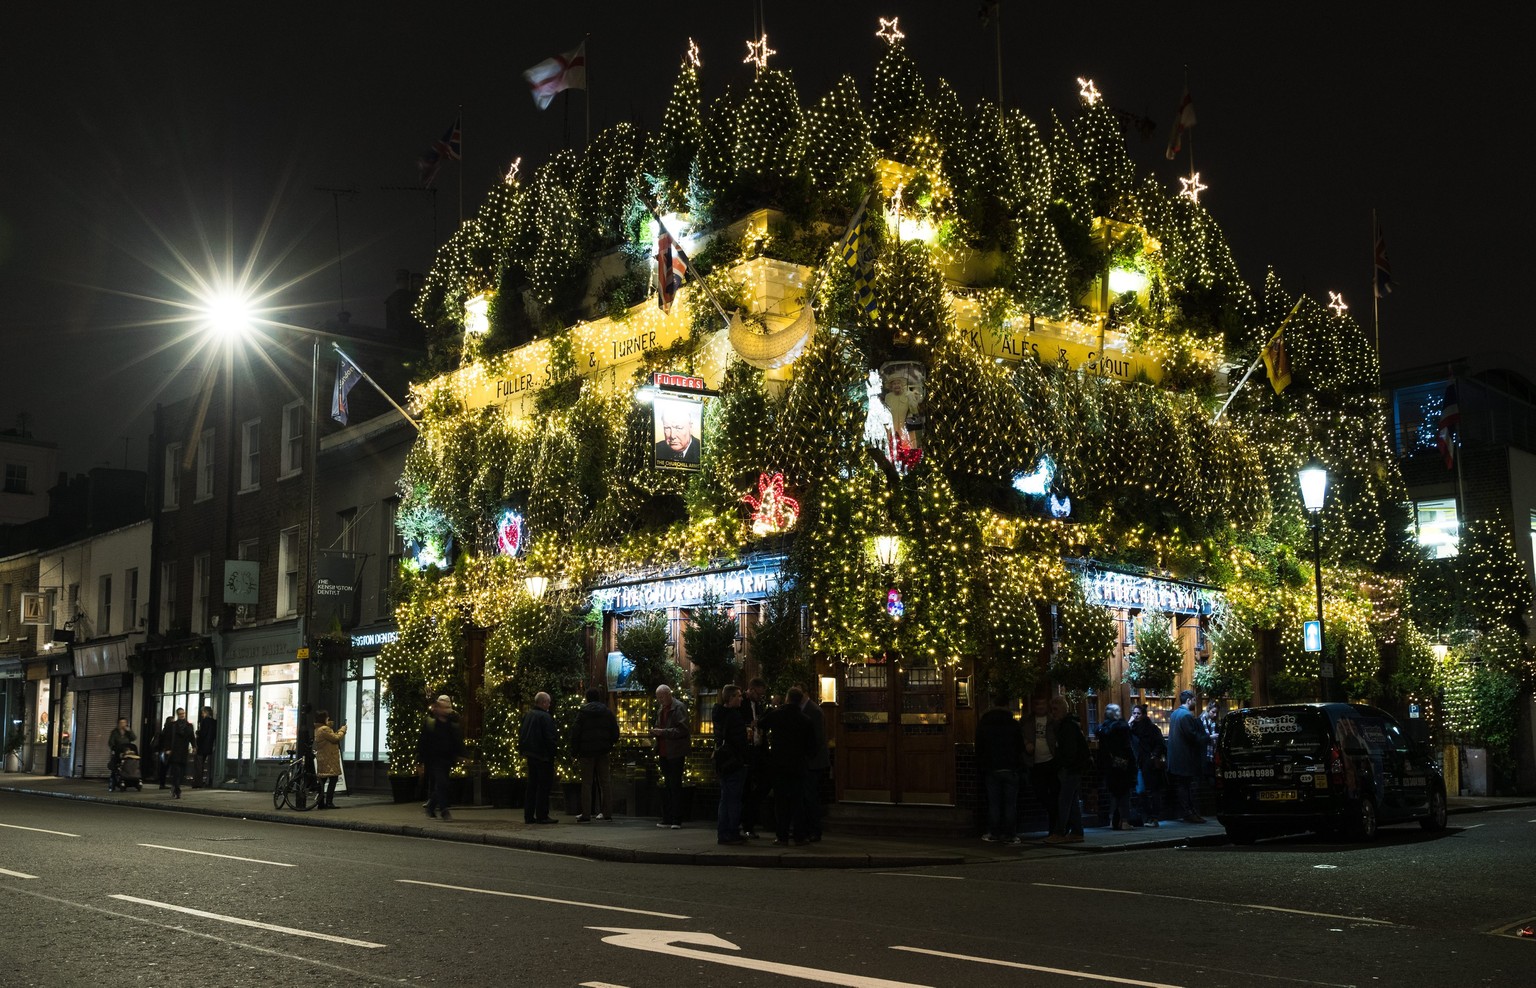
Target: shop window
pixel 250 455
pixel 288 570
pixel 171 477
pixel 200 613
pixel 293 439
pixel 16 478
pixel 104 605
pixel 1436 527
pixel 205 465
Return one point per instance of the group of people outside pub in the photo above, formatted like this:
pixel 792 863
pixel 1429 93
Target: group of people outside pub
pixel 1134 759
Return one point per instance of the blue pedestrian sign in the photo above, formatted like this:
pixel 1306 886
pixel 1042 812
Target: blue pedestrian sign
pixel 1312 636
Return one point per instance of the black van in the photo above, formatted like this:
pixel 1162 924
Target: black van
pixel 1322 766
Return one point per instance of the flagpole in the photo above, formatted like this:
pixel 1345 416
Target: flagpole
pixel 1375 294
pixel 385 394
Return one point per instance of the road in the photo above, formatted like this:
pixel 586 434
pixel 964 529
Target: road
pixel 97 894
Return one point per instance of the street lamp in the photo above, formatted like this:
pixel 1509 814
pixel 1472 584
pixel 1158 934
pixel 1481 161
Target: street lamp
pixel 1314 487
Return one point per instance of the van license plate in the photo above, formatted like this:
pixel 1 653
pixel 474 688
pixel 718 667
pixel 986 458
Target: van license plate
pixel 1270 795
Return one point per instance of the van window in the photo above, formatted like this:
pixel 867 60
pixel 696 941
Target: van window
pixel 1263 734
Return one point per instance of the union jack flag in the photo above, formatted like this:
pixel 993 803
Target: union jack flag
pixel 450 145
pixel 671 266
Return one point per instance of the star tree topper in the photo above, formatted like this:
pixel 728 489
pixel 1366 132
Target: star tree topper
pixel 758 52
pixel 889 32
pixel 1192 187
pixel 693 54
pixel 1336 303
pixel 1088 92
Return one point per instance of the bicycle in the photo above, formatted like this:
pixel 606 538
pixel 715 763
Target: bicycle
pixel 294 784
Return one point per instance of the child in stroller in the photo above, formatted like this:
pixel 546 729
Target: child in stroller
pixel 128 772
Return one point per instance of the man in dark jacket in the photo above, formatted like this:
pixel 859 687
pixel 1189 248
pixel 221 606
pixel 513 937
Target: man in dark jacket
pixel 1070 758
pixel 207 736
pixel 593 737
pixel 999 753
pixel 790 741
pixel 538 741
pixel 177 743
pixel 438 747
pixel 1186 754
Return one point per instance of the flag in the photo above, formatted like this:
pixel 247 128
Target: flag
pixel 1277 363
pixel 1383 266
pixel 1182 121
pixel 450 145
pixel 1450 424
pixel 553 75
pixel 347 376
pixel 671 266
pixel 859 254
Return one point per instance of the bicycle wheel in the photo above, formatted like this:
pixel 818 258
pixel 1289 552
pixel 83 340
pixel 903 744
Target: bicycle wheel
pixel 280 790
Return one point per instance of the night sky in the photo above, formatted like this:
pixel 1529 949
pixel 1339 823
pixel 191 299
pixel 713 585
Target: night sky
pixel 139 133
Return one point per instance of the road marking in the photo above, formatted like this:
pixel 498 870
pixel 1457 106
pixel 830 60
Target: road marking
pixel 666 942
pixel 910 874
pixel 210 854
pixel 1037 967
pixel 38 830
pixel 15 874
pixel 1216 902
pixel 541 898
pixel 251 923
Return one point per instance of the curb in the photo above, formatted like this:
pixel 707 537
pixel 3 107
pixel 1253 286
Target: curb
pixel 600 852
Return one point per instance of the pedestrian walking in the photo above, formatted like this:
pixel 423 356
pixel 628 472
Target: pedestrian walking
pixel 1117 764
pixel 593 737
pixel 671 734
pixel 327 759
pixel 118 742
pixel 1151 764
pixel 999 755
pixel 754 710
pixel 1040 746
pixel 730 764
pixel 162 747
pixel 1071 758
pixel 816 767
pixel 178 741
pixel 438 747
pixel 207 737
pixel 1186 755
pixel 790 742
pixel 538 741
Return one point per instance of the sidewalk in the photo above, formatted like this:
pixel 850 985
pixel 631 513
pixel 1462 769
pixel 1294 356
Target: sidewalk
pixel 636 839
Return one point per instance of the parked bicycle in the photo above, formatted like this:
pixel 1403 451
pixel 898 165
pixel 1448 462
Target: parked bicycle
pixel 295 786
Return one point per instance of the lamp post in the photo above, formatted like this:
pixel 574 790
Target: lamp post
pixel 1314 487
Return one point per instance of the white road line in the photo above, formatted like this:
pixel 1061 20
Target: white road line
pixel 210 854
pixel 1037 967
pixel 909 874
pixel 38 830
pixel 15 874
pixel 250 922
pixel 1215 902
pixel 540 898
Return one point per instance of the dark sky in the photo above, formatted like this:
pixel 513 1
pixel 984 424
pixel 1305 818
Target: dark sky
pixel 137 133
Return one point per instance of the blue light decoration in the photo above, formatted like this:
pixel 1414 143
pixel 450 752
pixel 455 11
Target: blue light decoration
pixel 1038 483
pixel 894 605
pixel 511 537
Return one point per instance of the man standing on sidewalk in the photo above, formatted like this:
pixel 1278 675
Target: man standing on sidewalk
pixel 1186 754
pixel 207 735
pixel 671 734
pixel 593 737
pixel 438 747
pixel 538 741
pixel 1040 746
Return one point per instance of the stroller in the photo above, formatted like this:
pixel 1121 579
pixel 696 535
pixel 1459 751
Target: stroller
pixel 128 773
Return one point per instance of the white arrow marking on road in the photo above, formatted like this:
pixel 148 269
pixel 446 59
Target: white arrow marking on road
pixel 250 922
pixel 541 898
pixel 15 874
pixel 1214 902
pixel 210 854
pixel 666 942
pixel 1036 967
pixel 39 830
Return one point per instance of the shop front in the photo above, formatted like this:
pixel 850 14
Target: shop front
pixel 104 691
pixel 256 698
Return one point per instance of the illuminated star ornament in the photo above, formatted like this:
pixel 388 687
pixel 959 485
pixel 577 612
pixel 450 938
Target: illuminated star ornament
pixel 1336 303
pixel 693 54
pixel 1192 188
pixel 758 52
pixel 1087 91
pixel 772 510
pixel 511 177
pixel 889 32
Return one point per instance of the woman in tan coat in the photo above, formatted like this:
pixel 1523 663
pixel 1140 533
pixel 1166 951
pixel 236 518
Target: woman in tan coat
pixel 327 758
